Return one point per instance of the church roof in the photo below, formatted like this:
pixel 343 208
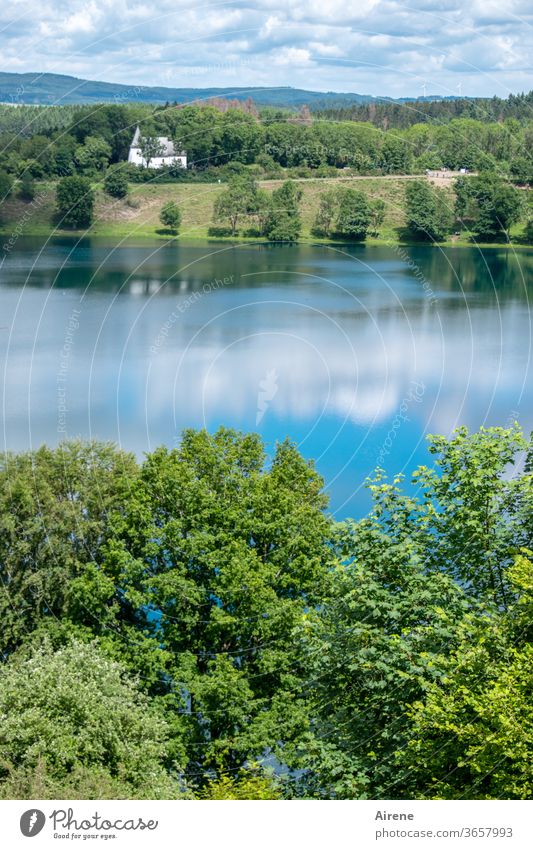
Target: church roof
pixel 166 144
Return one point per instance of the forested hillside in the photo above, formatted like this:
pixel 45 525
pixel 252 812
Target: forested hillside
pixel 48 89
pixel 399 115
pixel 61 140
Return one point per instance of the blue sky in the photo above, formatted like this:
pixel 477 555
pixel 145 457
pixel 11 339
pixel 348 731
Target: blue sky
pixel 369 46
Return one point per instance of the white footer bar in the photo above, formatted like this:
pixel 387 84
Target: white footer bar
pixel 267 825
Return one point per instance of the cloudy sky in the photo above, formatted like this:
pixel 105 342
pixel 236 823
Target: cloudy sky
pixel 476 47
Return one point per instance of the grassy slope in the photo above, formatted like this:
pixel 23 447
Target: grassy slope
pixel 196 202
pixel 117 218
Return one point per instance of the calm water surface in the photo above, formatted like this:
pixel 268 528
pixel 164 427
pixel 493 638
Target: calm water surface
pixel 356 354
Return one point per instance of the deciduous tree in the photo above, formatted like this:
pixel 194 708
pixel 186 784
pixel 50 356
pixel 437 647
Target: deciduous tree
pixel 74 202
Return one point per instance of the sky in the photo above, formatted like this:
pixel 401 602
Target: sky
pixel 378 47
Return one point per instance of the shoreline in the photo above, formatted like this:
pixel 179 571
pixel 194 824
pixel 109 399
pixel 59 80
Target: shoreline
pixel 135 219
pixel 128 235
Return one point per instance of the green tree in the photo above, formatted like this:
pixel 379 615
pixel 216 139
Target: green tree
pixel 6 184
pixel 327 209
pixel 240 137
pixel 116 183
pixel 27 187
pixel 170 216
pixel 63 158
pixel 237 201
pixel 284 222
pixel 74 202
pixel 220 557
pixel 151 148
pixel 354 215
pixel 373 648
pixel 488 205
pixel 471 736
pixel 522 169
pixel 260 208
pixel 421 580
pixel 186 621
pixel 395 155
pixel 74 713
pixel 93 155
pixel 197 130
pixel 427 211
pixel 55 507
pixel 463 187
pixel 499 206
pixel 479 515
pixel 377 215
pixel 283 141
pixel 31 166
pixel 248 784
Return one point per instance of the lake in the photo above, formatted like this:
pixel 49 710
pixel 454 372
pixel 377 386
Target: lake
pixel 355 353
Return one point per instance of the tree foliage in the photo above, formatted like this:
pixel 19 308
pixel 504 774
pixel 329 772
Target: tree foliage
pixel 93 155
pixel 284 222
pixel 73 713
pixel 151 148
pixel 422 580
pixel 196 624
pixel 354 215
pixel 472 736
pixel 488 205
pixel 348 213
pixel 6 185
pixel 427 210
pixel 238 201
pixel 74 202
pixel 170 216
pixel 116 182
pixel 27 187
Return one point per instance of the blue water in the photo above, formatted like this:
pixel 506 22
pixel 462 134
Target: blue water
pixel 355 354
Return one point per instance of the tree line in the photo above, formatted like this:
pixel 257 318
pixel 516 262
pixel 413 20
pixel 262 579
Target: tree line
pixel 196 625
pixel 63 141
pixel 484 206
pixel 400 115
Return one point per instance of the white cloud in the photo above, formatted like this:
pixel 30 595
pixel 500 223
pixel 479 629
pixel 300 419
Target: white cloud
pixel 82 21
pixel 292 56
pixel 326 49
pixel 372 46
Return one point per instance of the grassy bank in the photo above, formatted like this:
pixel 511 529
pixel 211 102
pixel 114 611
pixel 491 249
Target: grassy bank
pixel 137 217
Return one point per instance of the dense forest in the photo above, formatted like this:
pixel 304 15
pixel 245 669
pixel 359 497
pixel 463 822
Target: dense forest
pixel 57 141
pixel 399 115
pixel 196 625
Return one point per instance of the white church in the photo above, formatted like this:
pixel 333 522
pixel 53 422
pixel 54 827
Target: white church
pixel 168 155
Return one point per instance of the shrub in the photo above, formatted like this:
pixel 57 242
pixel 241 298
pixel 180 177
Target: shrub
pixel 116 183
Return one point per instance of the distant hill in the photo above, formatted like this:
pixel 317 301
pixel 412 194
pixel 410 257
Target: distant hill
pixel 48 89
